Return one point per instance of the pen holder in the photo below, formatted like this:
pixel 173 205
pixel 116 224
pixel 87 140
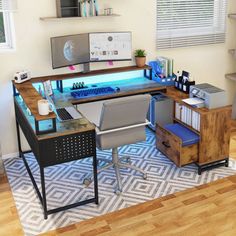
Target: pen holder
pixel 184 87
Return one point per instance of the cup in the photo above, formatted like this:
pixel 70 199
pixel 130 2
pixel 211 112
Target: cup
pixel 44 107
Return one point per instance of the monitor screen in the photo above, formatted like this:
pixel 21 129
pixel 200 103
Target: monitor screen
pixel 114 46
pixel 69 50
pixel 91 47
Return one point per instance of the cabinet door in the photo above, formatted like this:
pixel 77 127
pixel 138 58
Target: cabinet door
pixel 168 144
pixel 215 135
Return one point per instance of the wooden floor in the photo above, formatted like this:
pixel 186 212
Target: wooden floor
pixel 206 210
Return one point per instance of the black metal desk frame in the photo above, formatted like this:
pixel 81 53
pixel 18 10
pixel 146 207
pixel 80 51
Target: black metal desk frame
pixel 81 145
pixel 212 165
pixel 60 149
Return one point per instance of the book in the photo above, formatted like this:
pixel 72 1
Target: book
pixel 163 63
pixel 96 7
pixel 83 8
pixel 184 114
pixel 91 8
pixel 167 65
pixel 170 67
pixel 178 111
pixel 196 120
pixel 87 8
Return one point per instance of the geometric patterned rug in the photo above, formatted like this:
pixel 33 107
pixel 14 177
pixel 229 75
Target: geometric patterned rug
pixel 64 185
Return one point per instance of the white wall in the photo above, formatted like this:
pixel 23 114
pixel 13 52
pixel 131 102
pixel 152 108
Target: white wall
pixel 206 63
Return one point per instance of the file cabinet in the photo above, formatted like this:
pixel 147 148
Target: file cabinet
pixel 213 130
pixel 172 146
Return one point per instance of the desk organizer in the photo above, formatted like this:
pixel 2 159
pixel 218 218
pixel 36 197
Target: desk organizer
pixel 165 81
pixel 155 75
pixel 184 87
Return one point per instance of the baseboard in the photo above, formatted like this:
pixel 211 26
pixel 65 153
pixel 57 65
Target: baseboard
pixel 10 155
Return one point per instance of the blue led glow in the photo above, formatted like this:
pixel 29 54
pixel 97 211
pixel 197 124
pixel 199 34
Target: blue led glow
pixel 122 77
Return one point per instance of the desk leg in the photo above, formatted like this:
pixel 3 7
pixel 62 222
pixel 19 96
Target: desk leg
pixel 44 200
pixel 212 165
pixel 95 178
pixel 18 138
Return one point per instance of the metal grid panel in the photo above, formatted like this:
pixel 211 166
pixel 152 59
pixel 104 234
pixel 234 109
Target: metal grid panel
pixel 73 146
pixel 68 148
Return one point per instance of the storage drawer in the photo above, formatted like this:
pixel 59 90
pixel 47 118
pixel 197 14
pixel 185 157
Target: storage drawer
pixel 171 145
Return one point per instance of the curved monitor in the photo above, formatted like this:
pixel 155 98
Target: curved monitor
pixel 69 50
pixel 92 47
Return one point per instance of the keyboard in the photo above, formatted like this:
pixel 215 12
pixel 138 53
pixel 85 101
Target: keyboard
pixel 67 113
pixel 93 92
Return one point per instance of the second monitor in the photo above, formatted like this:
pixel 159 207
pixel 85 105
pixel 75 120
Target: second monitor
pixel 91 47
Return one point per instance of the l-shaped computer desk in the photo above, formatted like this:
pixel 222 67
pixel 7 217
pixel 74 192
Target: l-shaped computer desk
pixel 54 142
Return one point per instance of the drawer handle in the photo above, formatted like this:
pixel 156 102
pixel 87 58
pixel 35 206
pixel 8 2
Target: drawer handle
pixel 166 144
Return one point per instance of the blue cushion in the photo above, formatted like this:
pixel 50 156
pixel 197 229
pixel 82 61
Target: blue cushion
pixel 188 137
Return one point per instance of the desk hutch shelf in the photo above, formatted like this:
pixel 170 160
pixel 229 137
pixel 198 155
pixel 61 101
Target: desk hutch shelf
pixel 56 19
pixel 77 10
pixel 232 76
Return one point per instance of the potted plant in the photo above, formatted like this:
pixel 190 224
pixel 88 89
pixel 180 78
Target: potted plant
pixel 140 57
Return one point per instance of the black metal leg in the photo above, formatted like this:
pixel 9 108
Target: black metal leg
pixel 18 138
pixel 227 162
pixel 199 170
pixel 60 85
pixel 95 179
pixel 215 164
pixel 44 200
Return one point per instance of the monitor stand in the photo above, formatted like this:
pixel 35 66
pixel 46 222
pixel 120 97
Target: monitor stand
pixel 86 68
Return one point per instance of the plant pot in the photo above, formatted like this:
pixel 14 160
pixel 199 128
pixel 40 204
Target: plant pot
pixel 140 61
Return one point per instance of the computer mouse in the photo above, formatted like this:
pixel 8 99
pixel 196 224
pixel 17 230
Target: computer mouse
pixel 117 89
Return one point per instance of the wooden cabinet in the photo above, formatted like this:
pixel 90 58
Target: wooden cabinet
pixel 171 145
pixel 215 135
pixel 213 129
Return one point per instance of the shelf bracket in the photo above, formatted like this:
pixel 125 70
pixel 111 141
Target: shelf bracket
pixel 86 68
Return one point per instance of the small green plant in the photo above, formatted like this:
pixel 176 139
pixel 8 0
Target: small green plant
pixel 140 53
